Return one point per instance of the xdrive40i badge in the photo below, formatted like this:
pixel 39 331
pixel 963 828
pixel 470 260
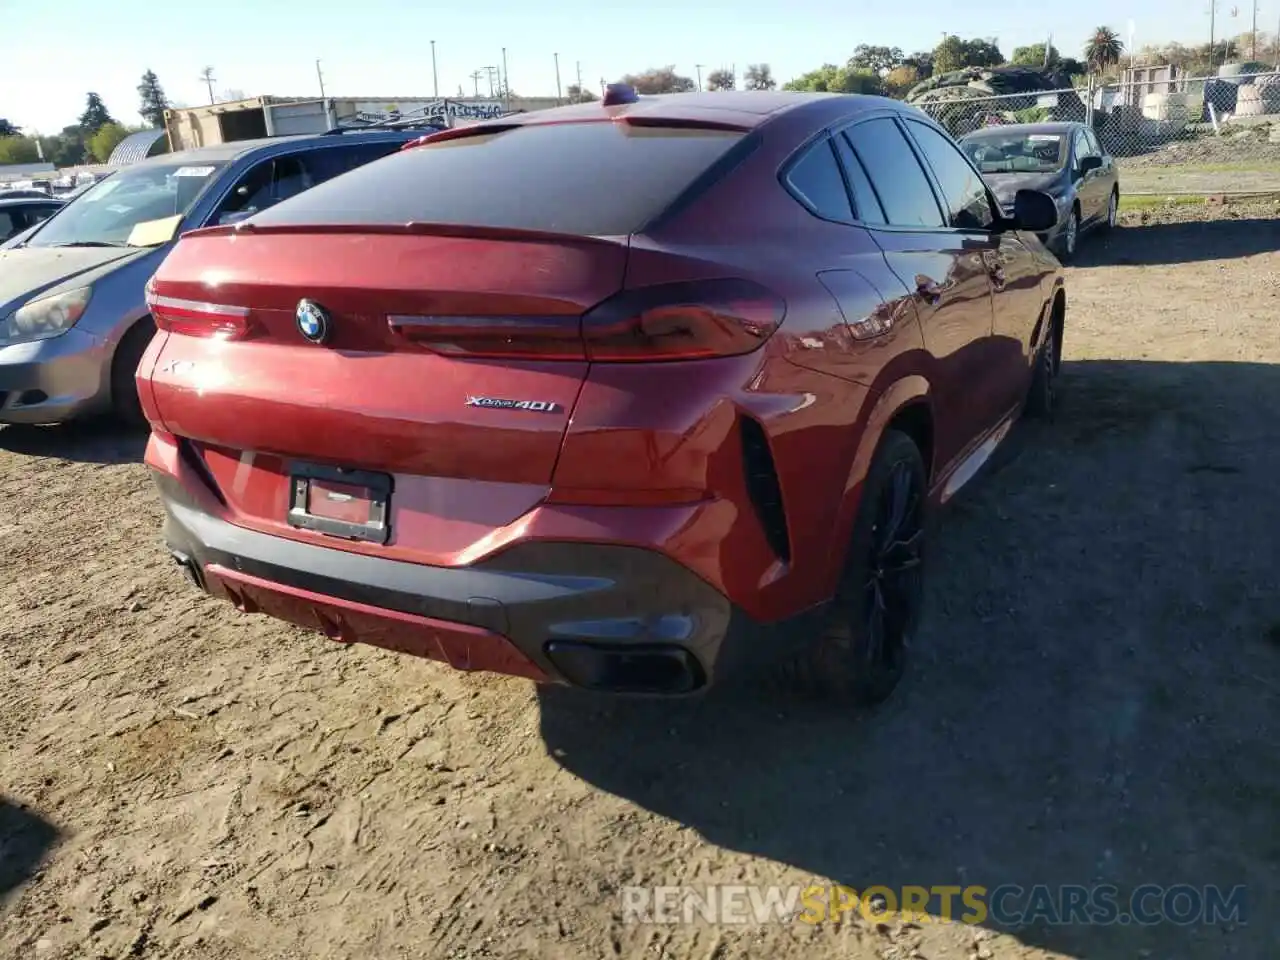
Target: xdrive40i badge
pixel 499 403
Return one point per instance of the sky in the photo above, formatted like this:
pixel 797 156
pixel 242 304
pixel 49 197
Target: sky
pixel 56 53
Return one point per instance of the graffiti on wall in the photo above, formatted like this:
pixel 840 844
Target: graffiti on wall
pixel 372 111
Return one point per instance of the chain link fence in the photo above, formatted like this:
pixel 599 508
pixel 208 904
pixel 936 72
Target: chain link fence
pixel 1189 136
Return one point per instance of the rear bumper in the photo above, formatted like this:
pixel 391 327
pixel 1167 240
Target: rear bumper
pixel 51 381
pixel 613 618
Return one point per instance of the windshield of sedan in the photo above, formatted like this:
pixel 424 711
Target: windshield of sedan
pixel 1017 152
pixel 133 208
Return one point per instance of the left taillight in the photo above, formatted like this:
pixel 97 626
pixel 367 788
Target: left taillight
pixel 195 318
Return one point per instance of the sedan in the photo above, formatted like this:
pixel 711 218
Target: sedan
pixel 677 398
pixel 22 213
pixel 1064 160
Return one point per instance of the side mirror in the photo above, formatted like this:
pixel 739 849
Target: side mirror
pixel 1089 164
pixel 1034 211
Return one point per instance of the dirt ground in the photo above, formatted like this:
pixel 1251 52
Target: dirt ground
pixel 1093 699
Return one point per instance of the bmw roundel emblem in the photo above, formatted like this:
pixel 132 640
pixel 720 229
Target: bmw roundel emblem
pixel 314 321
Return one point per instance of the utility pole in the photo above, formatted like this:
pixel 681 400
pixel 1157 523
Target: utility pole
pixel 1253 33
pixel 1213 13
pixel 559 92
pixel 578 66
pixel 475 78
pixel 490 71
pixel 320 77
pixel 207 78
pixel 698 67
pixel 435 77
pixel 506 80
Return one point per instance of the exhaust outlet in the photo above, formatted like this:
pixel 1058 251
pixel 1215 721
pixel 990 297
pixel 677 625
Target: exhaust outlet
pixel 190 571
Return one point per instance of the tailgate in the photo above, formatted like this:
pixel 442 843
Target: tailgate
pixel 369 397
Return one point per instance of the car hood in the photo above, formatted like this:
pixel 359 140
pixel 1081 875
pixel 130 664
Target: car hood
pixel 29 271
pixel 1006 185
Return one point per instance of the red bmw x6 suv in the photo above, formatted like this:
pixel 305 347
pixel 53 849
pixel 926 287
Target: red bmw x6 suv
pixel 625 395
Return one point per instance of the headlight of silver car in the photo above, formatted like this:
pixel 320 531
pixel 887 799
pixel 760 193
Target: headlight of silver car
pixel 44 317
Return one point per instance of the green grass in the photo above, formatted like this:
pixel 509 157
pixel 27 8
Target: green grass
pixel 1147 201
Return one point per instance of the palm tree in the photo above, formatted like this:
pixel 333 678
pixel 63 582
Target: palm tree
pixel 1103 49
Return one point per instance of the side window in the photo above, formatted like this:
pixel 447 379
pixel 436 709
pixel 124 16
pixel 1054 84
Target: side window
pixel 265 185
pixel 962 186
pixel 865 202
pixel 1094 145
pixel 9 225
pixel 896 174
pixel 40 214
pixel 330 162
pixel 1082 147
pixel 816 181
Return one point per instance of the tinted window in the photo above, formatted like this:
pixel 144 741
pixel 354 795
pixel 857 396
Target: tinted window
pixel 1082 147
pixel 866 206
pixel 333 161
pixel 8 225
pixel 899 181
pixel 816 179
pixel 603 179
pixel 966 194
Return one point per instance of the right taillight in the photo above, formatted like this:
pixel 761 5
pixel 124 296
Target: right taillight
pixel 677 321
pixel 682 321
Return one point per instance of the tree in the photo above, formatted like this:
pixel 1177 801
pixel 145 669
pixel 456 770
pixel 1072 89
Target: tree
pixel 832 79
pixel 921 62
pixel 577 94
pixel 1103 49
pixel 953 53
pixel 152 101
pixel 759 76
pixel 659 80
pixel 900 79
pixel 878 60
pixel 7 129
pixel 105 139
pixel 18 150
pixel 1034 56
pixel 65 149
pixel 721 80
pixel 95 114
pixel 232 94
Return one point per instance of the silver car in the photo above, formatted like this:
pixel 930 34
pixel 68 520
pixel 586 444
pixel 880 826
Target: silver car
pixel 73 322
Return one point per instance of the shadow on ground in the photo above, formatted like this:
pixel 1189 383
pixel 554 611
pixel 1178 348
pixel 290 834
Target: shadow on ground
pixel 1157 243
pixel 90 441
pixel 24 840
pixel 1094 697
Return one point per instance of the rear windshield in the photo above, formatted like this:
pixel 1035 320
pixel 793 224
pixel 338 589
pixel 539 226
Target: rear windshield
pixel 589 179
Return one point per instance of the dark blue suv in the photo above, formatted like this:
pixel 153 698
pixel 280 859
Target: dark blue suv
pixel 73 323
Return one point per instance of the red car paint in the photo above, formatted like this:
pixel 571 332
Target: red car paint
pixel 813 336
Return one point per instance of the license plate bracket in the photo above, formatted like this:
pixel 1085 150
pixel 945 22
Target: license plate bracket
pixel 352 504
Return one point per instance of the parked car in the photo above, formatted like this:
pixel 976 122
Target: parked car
pixel 73 323
pixel 621 395
pixel 1064 160
pixel 18 214
pixel 24 193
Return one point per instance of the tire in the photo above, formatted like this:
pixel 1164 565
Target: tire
pixel 1042 398
pixel 1070 238
pixel 860 656
pixel 124 390
pixel 1113 210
